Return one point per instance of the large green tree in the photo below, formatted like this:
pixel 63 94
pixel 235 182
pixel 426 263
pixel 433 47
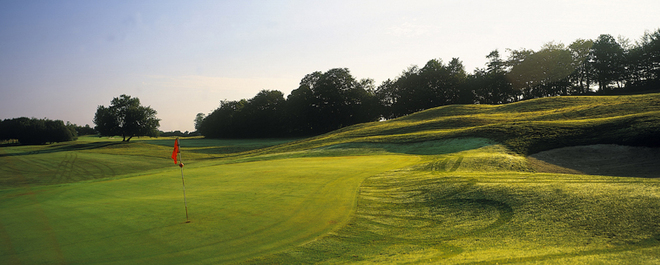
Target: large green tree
pixel 490 85
pixel 125 117
pixel 643 61
pixel 198 120
pixel 435 84
pixel 263 115
pixel 328 101
pixel 543 73
pixel 582 77
pixel 608 61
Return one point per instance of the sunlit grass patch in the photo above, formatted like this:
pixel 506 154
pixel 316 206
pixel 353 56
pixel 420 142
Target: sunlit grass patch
pixel 452 218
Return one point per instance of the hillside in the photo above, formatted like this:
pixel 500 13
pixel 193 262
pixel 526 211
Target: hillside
pixel 525 127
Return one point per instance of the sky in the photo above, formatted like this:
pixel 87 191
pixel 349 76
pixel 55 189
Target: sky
pixel 62 59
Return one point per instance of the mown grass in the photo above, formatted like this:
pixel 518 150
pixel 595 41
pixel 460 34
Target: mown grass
pixel 238 209
pixel 450 185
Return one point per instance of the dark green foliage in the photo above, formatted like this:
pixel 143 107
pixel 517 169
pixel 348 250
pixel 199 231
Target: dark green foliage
pixel 543 73
pixel 258 117
pixel 416 89
pixel 608 62
pixel 36 131
pixel 198 120
pixel 331 100
pixel 125 117
pixel 177 133
pixel 85 130
pixel 490 86
pixel 644 62
pixel 323 102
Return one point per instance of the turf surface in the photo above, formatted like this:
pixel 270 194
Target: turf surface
pixel 450 185
pixel 237 210
pixel 443 212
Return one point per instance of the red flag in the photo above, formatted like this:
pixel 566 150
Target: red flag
pixel 176 150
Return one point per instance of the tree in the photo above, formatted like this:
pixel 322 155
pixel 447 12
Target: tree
pixel 300 109
pixel 490 85
pixel 608 61
pixel 226 121
pixel 543 73
pixel 127 118
pixel 36 131
pixel 433 85
pixel 263 115
pixel 644 61
pixel 581 52
pixel 198 120
pixel 495 63
pixel 84 130
pixel 328 101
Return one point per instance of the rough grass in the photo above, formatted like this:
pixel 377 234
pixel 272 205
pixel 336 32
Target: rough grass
pixel 450 185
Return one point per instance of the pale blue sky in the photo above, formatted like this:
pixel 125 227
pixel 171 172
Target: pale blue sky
pixel 61 59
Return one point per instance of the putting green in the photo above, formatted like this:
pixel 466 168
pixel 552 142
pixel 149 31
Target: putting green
pixel 237 211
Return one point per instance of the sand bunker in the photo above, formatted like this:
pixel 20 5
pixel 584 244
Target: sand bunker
pixel 601 159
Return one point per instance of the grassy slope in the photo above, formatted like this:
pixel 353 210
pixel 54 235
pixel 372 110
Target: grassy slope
pixel 436 186
pixel 525 127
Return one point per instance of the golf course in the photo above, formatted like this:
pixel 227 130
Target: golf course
pixel 558 180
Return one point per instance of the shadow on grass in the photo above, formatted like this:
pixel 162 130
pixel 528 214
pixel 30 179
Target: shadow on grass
pixel 438 147
pixel 224 150
pixel 222 146
pixel 64 148
pixel 603 159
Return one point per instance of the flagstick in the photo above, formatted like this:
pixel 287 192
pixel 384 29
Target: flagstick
pixel 184 184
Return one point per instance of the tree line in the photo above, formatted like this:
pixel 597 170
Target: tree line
pixel 124 117
pixel 36 131
pixel 325 101
pixel 40 131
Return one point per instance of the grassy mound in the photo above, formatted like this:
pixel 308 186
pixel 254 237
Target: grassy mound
pixel 449 216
